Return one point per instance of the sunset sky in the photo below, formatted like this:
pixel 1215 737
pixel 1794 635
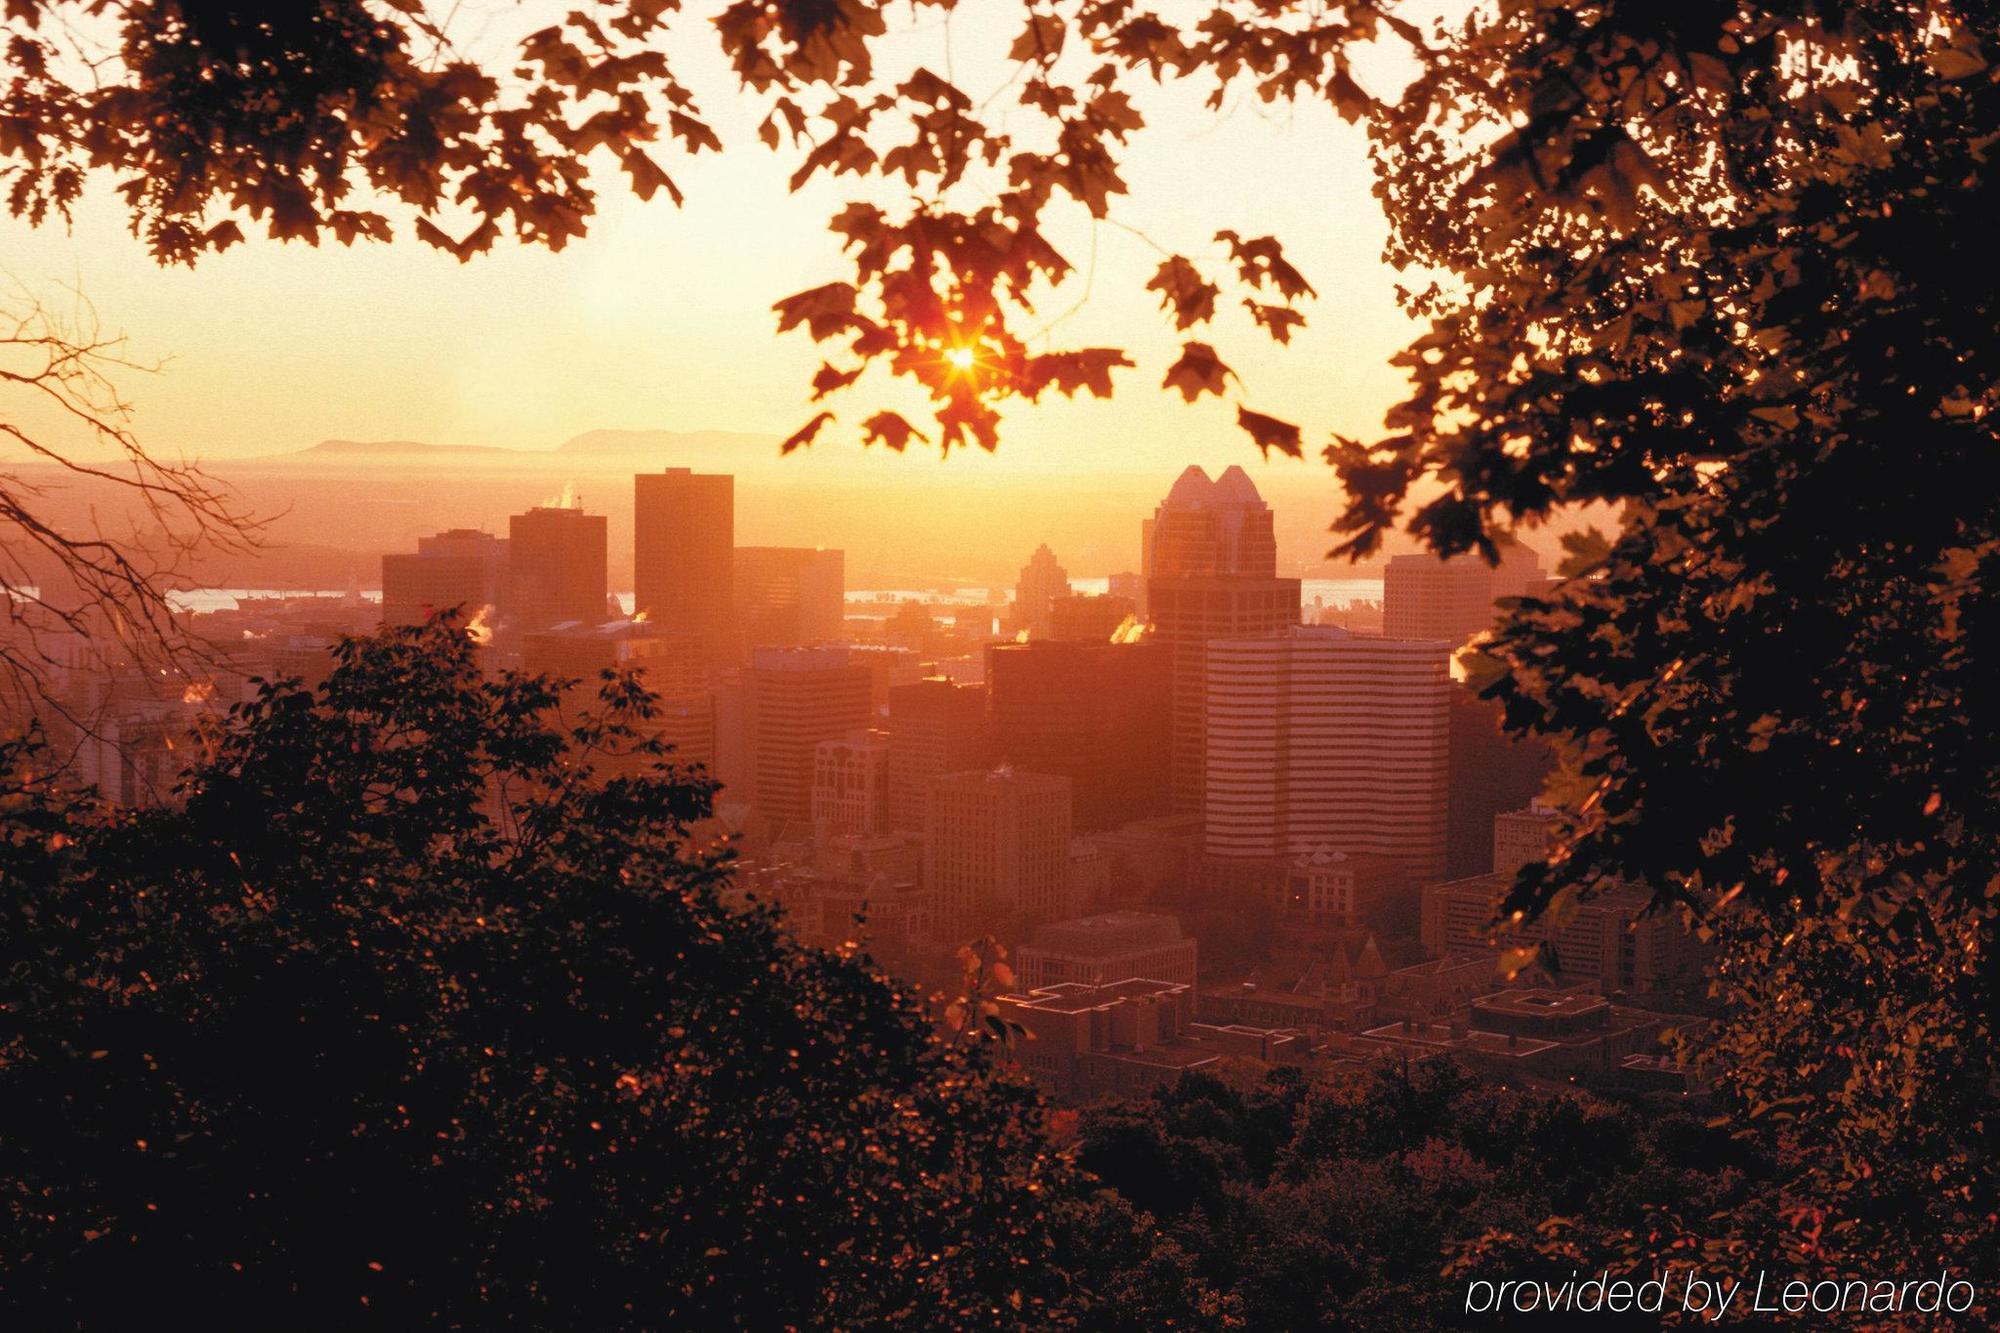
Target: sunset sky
pixel 661 318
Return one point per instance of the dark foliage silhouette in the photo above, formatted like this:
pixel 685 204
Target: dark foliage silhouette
pixel 1713 264
pixel 405 1012
pixel 1362 1200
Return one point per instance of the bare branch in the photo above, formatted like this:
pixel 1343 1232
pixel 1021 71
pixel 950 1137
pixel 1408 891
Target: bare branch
pixel 80 604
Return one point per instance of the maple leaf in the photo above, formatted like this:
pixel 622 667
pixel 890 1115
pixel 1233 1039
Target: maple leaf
pixel 1067 372
pixel 841 153
pixel 1198 371
pixel 1270 433
pixel 803 436
pixel 350 226
pixel 831 379
pixel 1183 291
pixel 647 177
pixel 794 122
pixel 824 310
pixel 1114 111
pixel 1041 41
pixel 967 420
pixel 481 238
pixel 1276 320
pixel 1583 551
pixel 693 133
pixel 891 429
pixel 1957 62
pixel 924 86
pixel 1261 261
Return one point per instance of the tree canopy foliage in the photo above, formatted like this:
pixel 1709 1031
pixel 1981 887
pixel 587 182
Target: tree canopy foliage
pixel 407 1013
pixel 1716 264
pixel 1364 1199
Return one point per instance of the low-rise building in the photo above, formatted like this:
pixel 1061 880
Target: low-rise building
pixel 1147 860
pixel 1126 1038
pixel 1537 1030
pixel 1438 986
pixel 1494 1052
pixel 1110 946
pixel 1333 986
pixel 1609 942
pixel 1326 887
pixel 1658 1072
pixel 1521 837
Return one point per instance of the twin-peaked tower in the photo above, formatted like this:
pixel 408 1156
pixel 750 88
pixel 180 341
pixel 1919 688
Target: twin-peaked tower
pixel 1211 573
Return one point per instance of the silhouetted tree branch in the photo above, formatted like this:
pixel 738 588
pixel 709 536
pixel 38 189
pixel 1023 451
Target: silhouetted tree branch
pixel 64 421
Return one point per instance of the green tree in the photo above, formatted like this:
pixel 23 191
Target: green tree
pixel 405 1013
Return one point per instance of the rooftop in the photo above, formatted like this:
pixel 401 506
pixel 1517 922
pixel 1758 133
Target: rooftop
pixel 1446 1037
pixel 610 629
pixel 1074 997
pixel 1541 1002
pixel 1171 1055
pixel 1109 933
pixel 1233 489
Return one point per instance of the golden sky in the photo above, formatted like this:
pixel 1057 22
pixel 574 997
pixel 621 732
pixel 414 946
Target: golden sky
pixel 661 318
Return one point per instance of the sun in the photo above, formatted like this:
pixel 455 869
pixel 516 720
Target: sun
pixel 960 357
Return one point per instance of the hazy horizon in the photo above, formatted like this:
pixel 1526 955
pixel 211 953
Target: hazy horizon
pixel 332 514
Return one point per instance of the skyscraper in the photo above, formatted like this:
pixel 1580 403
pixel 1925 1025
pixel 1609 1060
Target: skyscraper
pixel 464 567
pixel 796 698
pixel 935 727
pixel 1321 739
pixel 1424 597
pixel 1080 618
pixel 1043 579
pixel 684 556
pixel 1132 587
pixel 1213 529
pixel 1492 772
pixel 1211 573
pixel 1095 713
pixel 556 565
pixel 789 597
pixel 996 849
pixel 851 784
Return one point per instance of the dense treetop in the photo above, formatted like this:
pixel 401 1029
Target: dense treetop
pixel 408 1012
pixel 1366 1199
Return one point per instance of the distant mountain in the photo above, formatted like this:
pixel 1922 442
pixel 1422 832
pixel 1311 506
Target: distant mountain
pixel 666 441
pixel 703 448
pixel 370 448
